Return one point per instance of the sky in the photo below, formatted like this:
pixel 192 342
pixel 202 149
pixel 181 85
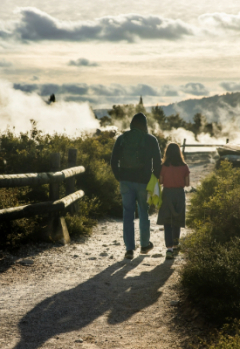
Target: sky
pixel 111 52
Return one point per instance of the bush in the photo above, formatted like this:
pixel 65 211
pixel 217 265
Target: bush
pixel 227 338
pixel 30 152
pixel 211 272
pixel 216 204
pixel 14 233
pixel 212 277
pixel 81 222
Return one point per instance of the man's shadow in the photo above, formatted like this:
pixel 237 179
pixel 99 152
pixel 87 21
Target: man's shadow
pixel 111 290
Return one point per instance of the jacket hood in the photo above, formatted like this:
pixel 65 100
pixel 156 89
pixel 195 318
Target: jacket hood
pixel 139 121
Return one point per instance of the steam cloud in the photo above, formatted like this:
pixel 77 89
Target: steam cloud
pixel 178 135
pixel 17 108
pixel 227 117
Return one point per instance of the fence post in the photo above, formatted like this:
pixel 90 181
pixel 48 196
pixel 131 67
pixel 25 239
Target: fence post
pixel 183 147
pixel 54 167
pixel 70 182
pixel 56 228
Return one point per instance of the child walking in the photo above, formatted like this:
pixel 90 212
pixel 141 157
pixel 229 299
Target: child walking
pixel 174 176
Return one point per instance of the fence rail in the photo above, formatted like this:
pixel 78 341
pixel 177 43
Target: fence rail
pixel 184 145
pixel 29 179
pixel 40 208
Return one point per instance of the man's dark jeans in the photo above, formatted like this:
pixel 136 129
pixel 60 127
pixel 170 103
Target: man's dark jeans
pixel 133 192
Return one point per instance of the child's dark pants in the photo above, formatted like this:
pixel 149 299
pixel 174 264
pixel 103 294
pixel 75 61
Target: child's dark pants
pixel 172 235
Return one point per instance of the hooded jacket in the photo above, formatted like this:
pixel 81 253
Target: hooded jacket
pixel 151 155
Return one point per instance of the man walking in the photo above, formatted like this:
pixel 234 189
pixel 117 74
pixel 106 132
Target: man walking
pixel 135 155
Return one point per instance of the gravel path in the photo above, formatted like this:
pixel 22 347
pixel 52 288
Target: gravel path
pixel 85 295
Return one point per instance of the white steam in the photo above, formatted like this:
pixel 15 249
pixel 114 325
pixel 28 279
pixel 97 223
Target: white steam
pixel 225 115
pixel 178 135
pixel 18 108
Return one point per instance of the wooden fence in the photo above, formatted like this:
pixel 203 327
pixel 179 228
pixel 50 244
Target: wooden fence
pixel 184 145
pixel 55 207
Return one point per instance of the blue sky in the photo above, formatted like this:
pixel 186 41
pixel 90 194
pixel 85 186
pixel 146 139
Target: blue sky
pixel 109 52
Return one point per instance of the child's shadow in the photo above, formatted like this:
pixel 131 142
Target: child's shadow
pixel 110 290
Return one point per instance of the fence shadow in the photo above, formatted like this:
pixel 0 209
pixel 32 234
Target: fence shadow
pixel 111 290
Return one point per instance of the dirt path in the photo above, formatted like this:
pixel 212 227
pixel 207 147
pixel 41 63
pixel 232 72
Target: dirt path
pixel 85 295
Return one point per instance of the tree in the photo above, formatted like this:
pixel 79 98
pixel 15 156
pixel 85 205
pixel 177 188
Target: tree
pixel 199 123
pixel 174 121
pixel 105 121
pixel 52 98
pixel 117 112
pixel 140 107
pixel 158 115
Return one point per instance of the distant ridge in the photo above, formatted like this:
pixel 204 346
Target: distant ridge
pixel 211 107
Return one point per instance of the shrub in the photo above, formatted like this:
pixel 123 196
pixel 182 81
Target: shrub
pixel 216 204
pixel 31 152
pixel 211 272
pixel 211 275
pixel 81 222
pixel 227 338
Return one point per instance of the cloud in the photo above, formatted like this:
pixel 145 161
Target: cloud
pixel 36 25
pixel 5 64
pixel 144 90
pixel 113 90
pixel 136 90
pixel 120 90
pixel 195 89
pixel 101 95
pixel 221 20
pixel 82 62
pixel 79 89
pixel 48 89
pixel 230 86
pixel 169 91
pixel 28 88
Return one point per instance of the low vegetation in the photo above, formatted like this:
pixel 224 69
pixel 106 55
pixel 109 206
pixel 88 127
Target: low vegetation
pixel 211 273
pixel 226 338
pixel 30 152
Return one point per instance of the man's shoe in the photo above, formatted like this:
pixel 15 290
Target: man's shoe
pixel 148 248
pixel 176 250
pixel 129 254
pixel 169 254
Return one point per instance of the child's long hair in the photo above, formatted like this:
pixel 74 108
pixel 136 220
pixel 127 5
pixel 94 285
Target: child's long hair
pixel 173 155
